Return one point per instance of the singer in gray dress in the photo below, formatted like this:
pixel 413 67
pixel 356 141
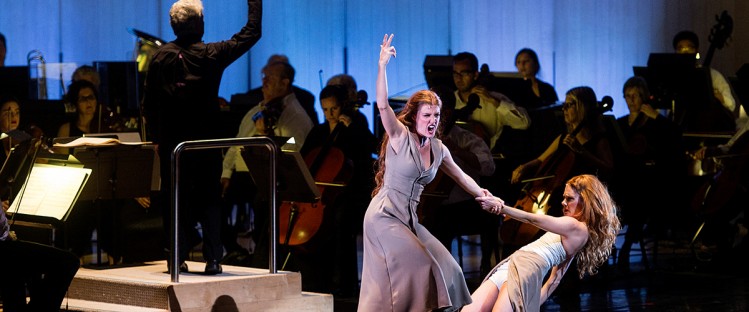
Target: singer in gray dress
pixel 405 267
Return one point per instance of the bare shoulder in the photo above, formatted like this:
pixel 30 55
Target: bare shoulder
pixel 575 232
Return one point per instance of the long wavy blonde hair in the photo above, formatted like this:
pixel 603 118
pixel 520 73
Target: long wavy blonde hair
pixel 407 117
pixel 599 213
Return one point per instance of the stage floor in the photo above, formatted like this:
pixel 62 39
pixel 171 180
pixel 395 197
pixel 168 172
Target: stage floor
pixel 677 279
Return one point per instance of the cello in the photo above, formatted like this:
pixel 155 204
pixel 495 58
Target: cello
pixel 299 222
pixel 723 187
pixel 536 193
pixel 551 175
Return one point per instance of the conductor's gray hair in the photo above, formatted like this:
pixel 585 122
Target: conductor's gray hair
pixel 186 17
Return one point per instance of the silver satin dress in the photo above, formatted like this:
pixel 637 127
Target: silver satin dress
pixel 405 267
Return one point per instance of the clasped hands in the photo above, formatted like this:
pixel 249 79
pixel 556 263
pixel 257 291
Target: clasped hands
pixel 490 203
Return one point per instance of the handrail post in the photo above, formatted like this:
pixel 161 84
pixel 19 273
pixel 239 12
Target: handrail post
pixel 212 144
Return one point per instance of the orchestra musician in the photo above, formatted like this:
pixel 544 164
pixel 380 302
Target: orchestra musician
pixel 363 172
pixel 715 200
pixel 493 110
pixel 278 114
pixel 10 117
pixel 88 73
pixel 305 98
pixel 357 97
pixel 345 209
pixel 89 119
pixel 42 271
pixel 586 138
pixel 84 95
pixel 652 165
pixel 539 98
pixel 722 199
pixel 687 42
pixel 487 114
pixel 526 61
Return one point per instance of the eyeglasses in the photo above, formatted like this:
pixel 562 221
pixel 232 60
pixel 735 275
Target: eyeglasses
pixel 568 105
pixel 463 74
pixel 87 98
pixel 9 112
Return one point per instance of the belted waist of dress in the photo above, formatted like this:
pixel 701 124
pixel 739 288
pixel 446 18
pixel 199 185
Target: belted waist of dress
pixel 414 193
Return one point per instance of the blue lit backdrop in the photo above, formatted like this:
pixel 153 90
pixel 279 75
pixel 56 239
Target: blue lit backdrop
pixel 588 42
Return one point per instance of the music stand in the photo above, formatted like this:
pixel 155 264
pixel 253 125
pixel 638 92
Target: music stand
pixel 513 86
pixel 676 83
pixel 294 181
pixel 14 174
pixel 15 81
pixel 438 72
pixel 118 172
pixel 17 166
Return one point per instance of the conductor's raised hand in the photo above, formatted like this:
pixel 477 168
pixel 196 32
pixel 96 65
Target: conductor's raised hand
pixel 386 50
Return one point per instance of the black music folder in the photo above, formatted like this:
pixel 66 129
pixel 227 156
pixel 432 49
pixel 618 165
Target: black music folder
pixel 675 79
pixel 120 171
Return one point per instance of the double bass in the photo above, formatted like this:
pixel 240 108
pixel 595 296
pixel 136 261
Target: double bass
pixel 713 116
pixel 300 222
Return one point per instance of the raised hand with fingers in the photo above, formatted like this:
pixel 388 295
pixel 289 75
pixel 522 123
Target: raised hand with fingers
pixel 386 50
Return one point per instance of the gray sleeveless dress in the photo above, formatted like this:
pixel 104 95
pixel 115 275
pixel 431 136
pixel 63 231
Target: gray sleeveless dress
pixel 405 268
pixel 524 271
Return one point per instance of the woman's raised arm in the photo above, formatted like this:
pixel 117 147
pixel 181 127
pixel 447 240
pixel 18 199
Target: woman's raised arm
pixel 390 122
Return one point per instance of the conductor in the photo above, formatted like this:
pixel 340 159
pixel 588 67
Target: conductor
pixel 181 104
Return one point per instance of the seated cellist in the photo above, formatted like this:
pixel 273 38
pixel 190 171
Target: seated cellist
pixel 586 139
pixel 344 212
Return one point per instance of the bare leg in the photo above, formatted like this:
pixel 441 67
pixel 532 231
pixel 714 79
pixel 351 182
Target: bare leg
pixel 502 304
pixel 483 298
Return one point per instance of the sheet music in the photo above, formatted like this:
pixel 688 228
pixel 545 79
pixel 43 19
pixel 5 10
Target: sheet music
pixel 51 191
pixel 94 141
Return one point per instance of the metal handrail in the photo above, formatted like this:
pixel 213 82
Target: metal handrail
pixel 221 143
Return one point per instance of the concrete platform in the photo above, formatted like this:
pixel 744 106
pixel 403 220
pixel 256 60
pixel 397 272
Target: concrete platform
pixel 149 288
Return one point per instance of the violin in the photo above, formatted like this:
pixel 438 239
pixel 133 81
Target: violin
pixel 300 222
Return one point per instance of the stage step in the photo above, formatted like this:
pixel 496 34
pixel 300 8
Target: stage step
pixel 148 288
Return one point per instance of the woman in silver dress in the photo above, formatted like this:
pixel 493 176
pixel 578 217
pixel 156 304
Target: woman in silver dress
pixel 405 268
